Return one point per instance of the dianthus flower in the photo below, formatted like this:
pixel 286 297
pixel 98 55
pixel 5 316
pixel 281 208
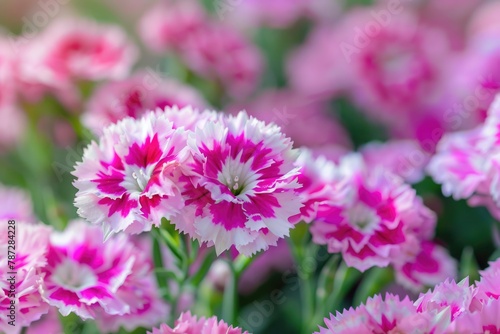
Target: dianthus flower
pixel 70 51
pixel 128 180
pixel 240 188
pixel 459 297
pixel 189 324
pixel 376 217
pixel 466 163
pixel 391 315
pixel 89 277
pixel 209 48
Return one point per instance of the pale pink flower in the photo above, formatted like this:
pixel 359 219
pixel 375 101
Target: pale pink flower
pixel 488 286
pixel 72 50
pixel 189 324
pixel 321 184
pixel 209 48
pixel 487 320
pixel 16 204
pixel 391 315
pixel 134 97
pixel 48 323
pixel 466 163
pixel 89 277
pixel 317 69
pixel 128 180
pixel 240 188
pixel 459 297
pixel 376 217
pixel 404 158
pixel 290 110
pixel 168 25
pixel 427 265
pixel 31 245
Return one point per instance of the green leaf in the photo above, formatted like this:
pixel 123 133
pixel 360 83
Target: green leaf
pixel 373 282
pixel 198 277
pixel 468 265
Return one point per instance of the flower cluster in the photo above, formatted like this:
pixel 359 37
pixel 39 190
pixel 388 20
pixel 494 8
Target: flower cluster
pixel 208 47
pixel 373 218
pixel 448 308
pixel 222 180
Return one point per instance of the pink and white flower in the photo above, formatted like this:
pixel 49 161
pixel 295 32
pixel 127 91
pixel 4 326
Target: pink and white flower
pixel 373 221
pixel 485 321
pixel 459 297
pixel 90 277
pixel 134 97
pixel 240 188
pixel 466 163
pixel 189 324
pixel 31 244
pixel 128 181
pixel 391 315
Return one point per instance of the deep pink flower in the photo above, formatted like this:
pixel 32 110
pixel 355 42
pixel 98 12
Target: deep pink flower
pixel 376 217
pixel 31 244
pixel 128 181
pixel 189 324
pixel 134 97
pixel 240 188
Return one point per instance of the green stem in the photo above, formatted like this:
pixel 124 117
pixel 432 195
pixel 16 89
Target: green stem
pixel 230 298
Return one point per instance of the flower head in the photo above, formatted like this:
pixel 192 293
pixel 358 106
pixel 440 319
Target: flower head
pixel 88 277
pixel 127 181
pixel 189 324
pixel 374 219
pixel 240 188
